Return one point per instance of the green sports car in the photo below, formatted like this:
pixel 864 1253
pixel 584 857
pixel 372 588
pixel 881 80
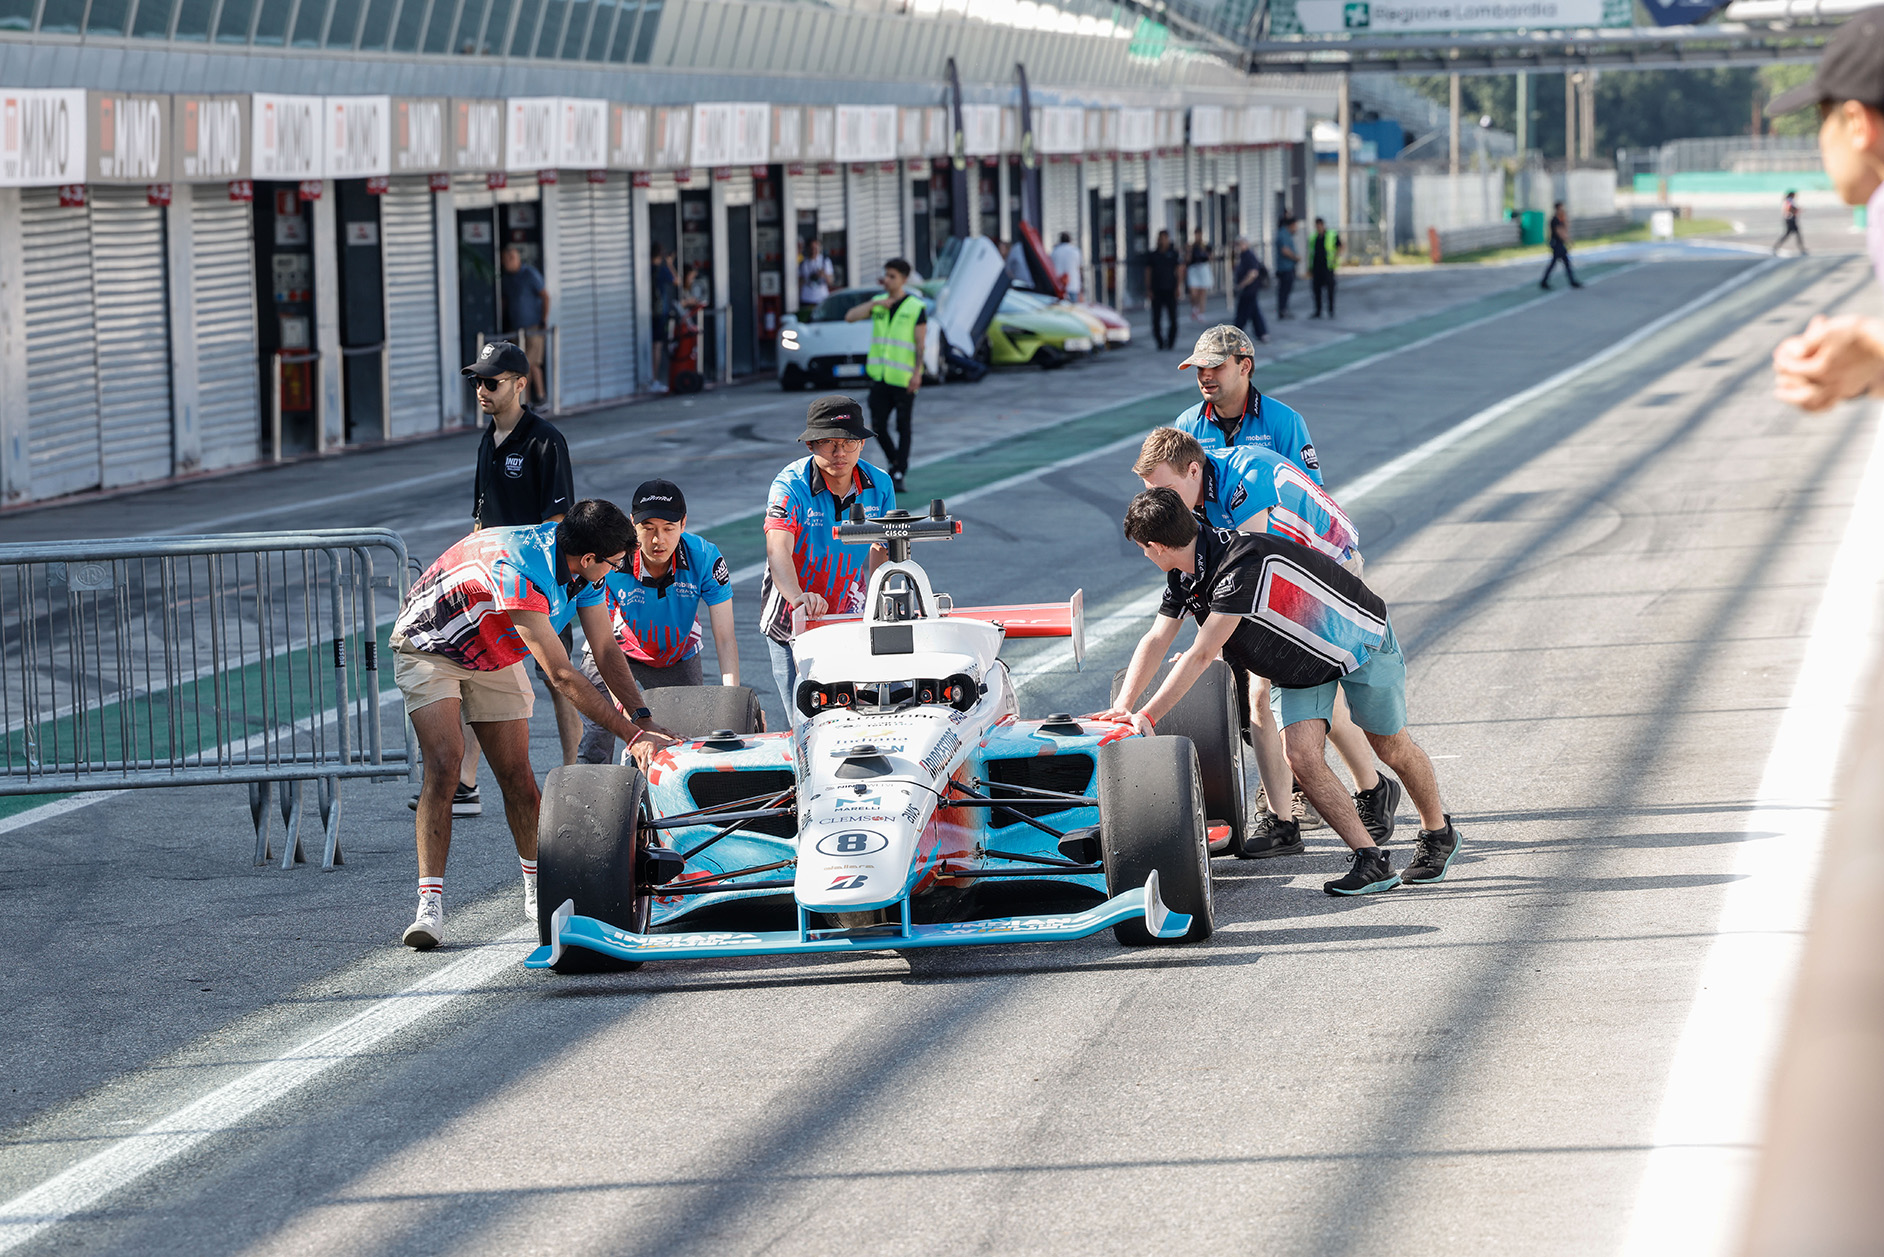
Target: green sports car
pixel 1026 328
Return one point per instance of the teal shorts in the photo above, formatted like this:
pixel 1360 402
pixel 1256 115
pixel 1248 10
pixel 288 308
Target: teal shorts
pixel 1376 694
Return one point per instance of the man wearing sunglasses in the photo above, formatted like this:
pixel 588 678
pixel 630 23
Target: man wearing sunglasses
pixel 523 477
pixel 806 568
pixel 499 596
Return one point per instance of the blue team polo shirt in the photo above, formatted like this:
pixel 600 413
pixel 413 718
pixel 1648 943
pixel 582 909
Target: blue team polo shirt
pixel 801 504
pixel 656 618
pixel 1240 483
pixel 1267 424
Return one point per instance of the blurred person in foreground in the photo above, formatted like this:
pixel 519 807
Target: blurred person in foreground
pixel 1838 358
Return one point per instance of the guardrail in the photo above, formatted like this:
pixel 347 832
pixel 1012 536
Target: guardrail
pixel 248 659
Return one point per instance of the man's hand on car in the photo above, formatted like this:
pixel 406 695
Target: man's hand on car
pixel 814 605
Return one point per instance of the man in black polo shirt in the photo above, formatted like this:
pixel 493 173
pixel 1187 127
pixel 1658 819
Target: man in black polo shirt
pixel 1162 264
pixel 1280 610
pixel 523 477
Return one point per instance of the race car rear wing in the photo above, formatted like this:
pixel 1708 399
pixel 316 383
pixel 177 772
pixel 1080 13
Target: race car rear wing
pixel 1040 619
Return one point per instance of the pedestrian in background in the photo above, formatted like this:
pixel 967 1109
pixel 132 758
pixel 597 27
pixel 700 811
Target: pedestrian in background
pixel 898 327
pixel 815 275
pixel 1324 254
pixel 1250 274
pixel 663 289
pixel 1789 213
pixel 1197 276
pixel 1162 265
pixel 1286 259
pixel 1836 359
pixel 526 313
pixel 1559 247
pixel 1066 266
pixel 654 606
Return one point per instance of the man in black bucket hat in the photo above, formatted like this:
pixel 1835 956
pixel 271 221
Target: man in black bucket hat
pixel 806 569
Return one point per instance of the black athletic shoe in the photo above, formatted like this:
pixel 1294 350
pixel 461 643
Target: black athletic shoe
pixel 896 481
pixel 464 801
pixel 1544 284
pixel 1377 807
pixel 1371 871
pixel 1436 849
pixel 1272 837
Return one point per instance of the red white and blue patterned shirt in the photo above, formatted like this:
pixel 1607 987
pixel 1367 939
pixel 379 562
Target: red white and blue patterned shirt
pixel 839 572
pixel 460 608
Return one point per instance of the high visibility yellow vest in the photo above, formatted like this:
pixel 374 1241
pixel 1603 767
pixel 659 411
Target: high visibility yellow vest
pixel 1328 247
pixel 893 342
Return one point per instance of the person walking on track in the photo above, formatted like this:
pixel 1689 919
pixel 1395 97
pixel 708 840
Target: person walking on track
pixel 1559 247
pixel 898 326
pixel 1789 212
pixel 1286 259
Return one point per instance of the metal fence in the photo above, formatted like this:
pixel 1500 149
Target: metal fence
pixel 177 661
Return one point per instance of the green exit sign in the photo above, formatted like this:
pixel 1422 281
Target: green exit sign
pixel 1354 15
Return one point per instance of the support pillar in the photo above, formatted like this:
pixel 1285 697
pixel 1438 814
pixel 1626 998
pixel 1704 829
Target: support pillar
pixel 1569 119
pixel 1343 122
pixel 1523 112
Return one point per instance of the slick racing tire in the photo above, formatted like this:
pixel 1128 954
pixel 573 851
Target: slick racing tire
pixel 1151 816
pixel 694 711
pixel 588 839
pixel 1210 716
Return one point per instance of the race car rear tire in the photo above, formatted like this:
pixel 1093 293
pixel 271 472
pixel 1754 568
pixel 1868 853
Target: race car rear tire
pixel 588 839
pixel 694 711
pixel 1210 716
pixel 1151 816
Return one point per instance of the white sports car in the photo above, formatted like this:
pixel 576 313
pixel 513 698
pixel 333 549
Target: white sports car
pixel 818 349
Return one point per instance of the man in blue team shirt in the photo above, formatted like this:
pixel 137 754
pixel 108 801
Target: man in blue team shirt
pixel 654 604
pixel 1233 413
pixel 806 568
pixel 1275 609
pixel 1255 490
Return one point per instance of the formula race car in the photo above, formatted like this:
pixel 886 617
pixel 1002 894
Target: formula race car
pixel 907 797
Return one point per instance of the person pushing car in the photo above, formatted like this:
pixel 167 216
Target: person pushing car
pixel 1292 614
pixel 496 598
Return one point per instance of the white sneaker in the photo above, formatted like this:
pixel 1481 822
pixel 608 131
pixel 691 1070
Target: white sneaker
pixel 529 897
pixel 428 927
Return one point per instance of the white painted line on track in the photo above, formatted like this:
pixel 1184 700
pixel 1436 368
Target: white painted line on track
pixel 127 1161
pixel 1693 1195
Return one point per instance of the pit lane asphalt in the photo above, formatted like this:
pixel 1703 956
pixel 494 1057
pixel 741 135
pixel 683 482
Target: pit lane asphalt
pixel 1602 598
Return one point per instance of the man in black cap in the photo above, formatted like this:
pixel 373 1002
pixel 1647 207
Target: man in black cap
pixel 523 477
pixel 1835 359
pixel 654 603
pixel 806 568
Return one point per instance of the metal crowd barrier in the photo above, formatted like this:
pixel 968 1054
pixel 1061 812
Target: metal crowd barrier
pixel 249 658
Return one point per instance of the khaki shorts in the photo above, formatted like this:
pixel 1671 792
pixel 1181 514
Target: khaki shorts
pixel 485 697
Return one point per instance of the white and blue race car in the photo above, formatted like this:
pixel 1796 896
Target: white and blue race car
pixel 909 805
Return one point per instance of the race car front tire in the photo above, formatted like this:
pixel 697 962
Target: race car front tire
pixel 1151 817
pixel 1211 717
pixel 694 711
pixel 588 840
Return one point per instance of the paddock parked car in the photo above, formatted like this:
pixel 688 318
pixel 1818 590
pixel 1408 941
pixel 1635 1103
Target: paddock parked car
pixel 818 349
pixel 908 806
pixel 1028 329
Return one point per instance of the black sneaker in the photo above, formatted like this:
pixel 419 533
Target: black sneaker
pixel 1272 837
pixel 464 801
pixel 1377 807
pixel 1371 871
pixel 1436 849
pixel 896 481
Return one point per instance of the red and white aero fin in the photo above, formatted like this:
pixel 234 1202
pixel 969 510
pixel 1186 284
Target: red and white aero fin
pixel 1044 619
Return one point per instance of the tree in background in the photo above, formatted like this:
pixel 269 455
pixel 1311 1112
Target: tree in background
pixel 1634 108
pixel 1775 79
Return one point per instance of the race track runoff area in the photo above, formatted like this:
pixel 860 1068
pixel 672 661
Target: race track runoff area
pixel 1611 558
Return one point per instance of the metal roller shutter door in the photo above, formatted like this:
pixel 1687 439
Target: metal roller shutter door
pixel 222 266
pixel 576 330
pixel 1132 174
pixel 409 253
pixel 614 288
pixel 61 353
pixel 872 239
pixel 830 202
pixel 131 300
pixel 1059 197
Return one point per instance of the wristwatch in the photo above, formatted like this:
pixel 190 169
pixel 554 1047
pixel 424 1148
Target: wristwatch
pixel 639 713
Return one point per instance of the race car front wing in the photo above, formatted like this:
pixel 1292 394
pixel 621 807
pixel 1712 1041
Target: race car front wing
pixel 570 930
